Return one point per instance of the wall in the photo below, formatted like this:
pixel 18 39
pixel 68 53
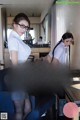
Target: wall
pixel 67 18
pixel 2 31
pixel 1 47
pixel 44 13
pixel 33 20
pixel 53 26
pixel 46 24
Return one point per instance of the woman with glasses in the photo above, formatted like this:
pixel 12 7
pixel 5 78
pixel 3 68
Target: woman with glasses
pixel 19 53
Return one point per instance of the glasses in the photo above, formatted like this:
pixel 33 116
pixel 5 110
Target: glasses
pixel 23 26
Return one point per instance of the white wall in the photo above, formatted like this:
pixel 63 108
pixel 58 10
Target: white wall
pixel 53 26
pixel 47 25
pixel 47 21
pixel 67 18
pixel 44 13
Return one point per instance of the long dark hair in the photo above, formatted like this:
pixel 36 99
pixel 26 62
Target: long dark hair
pixel 66 35
pixel 19 17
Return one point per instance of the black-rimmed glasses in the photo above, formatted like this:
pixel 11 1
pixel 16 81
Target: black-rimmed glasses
pixel 23 26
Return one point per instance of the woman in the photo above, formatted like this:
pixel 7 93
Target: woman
pixel 19 53
pixel 60 52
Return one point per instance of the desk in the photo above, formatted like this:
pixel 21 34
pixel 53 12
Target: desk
pixel 73 95
pixel 34 51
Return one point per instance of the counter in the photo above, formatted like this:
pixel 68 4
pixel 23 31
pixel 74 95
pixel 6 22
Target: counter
pixel 73 95
pixel 34 51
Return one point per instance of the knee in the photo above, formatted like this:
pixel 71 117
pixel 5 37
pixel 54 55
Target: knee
pixel 27 109
pixel 27 106
pixel 18 110
pixel 18 106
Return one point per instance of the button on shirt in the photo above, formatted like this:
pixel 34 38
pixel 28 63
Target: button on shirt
pixel 16 44
pixel 60 53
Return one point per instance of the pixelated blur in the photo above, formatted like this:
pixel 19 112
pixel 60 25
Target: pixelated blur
pixel 38 78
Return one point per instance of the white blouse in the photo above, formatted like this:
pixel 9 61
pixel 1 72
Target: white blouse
pixel 16 44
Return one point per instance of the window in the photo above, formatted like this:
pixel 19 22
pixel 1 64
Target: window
pixel 8 32
pixel 32 34
pixel 23 36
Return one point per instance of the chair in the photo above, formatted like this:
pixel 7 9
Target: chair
pixel 6 104
pixel 41 105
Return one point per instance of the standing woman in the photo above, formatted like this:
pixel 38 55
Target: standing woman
pixel 60 53
pixel 19 53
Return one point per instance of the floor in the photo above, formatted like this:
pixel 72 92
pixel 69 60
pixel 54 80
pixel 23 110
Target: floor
pixel 59 118
pixel 53 115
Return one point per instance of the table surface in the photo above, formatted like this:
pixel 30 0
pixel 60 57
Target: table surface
pixel 73 94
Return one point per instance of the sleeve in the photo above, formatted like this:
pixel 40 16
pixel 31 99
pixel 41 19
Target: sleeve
pixel 13 44
pixel 58 52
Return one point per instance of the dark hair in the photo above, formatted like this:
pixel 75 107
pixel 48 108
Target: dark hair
pixel 66 35
pixel 19 17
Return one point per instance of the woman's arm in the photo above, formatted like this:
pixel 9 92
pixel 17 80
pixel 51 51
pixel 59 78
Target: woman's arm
pixel 57 54
pixel 55 61
pixel 51 60
pixel 48 58
pixel 14 57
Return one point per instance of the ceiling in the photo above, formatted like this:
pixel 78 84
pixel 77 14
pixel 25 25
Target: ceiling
pixel 30 7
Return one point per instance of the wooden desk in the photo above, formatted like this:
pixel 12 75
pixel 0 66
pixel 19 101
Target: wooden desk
pixel 73 95
pixel 34 51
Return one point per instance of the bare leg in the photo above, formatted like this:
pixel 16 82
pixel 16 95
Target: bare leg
pixel 19 109
pixel 27 107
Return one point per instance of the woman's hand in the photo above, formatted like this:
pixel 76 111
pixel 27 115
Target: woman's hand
pixel 55 61
pixel 38 59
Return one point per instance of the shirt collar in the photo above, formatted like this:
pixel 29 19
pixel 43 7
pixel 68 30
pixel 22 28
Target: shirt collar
pixel 16 34
pixel 64 45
